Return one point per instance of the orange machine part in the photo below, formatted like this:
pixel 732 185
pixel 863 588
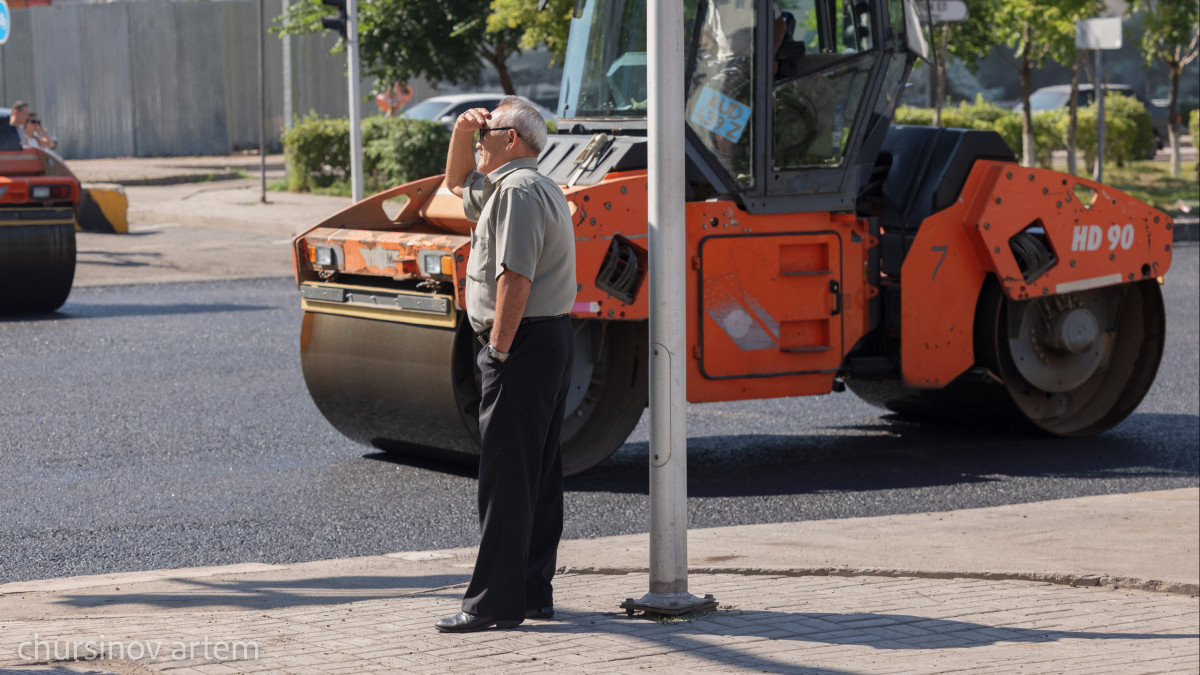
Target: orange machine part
pixel 368 214
pixel 940 283
pixel 615 207
pixel 1112 239
pixel 19 171
pixel 774 301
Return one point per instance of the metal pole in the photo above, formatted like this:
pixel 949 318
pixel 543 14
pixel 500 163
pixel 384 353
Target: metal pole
pixel 1101 124
pixel 356 162
pixel 288 106
pixel 262 103
pixel 668 435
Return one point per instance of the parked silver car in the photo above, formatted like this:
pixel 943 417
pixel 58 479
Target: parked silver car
pixel 448 107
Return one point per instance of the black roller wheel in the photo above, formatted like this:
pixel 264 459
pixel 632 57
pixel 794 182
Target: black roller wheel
pixel 1075 364
pixel 1070 365
pixel 609 389
pixel 415 389
pixel 41 260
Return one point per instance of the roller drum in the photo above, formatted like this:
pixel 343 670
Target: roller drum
pixel 414 390
pixel 39 260
pixel 386 384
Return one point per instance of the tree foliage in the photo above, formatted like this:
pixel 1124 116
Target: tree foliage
pixel 969 41
pixel 440 40
pixel 549 26
pixel 1171 34
pixel 1170 30
pixel 1038 31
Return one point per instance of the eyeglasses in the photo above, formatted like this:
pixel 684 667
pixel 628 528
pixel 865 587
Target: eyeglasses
pixel 483 132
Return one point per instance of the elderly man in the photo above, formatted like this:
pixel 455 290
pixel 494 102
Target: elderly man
pixel 520 289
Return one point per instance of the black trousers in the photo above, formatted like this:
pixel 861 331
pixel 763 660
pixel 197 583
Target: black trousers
pixel 520 471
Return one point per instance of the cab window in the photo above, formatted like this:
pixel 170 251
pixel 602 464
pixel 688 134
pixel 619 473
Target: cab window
pixel 720 97
pixel 819 87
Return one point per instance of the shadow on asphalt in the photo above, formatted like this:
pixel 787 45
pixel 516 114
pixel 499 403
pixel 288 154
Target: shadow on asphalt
pixel 902 454
pixel 275 594
pixel 897 453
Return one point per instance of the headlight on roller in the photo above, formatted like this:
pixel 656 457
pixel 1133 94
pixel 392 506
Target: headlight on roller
pixel 437 263
pixel 323 256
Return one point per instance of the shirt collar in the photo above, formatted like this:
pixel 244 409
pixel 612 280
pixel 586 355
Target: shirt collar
pixel 519 163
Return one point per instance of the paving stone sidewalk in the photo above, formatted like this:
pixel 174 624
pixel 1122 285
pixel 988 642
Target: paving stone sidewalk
pixel 766 623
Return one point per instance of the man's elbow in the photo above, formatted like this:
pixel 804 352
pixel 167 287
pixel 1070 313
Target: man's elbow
pixel 510 277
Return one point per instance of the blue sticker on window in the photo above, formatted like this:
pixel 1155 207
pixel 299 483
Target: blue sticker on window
pixel 721 115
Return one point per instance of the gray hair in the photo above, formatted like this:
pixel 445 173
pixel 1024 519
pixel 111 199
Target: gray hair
pixel 525 119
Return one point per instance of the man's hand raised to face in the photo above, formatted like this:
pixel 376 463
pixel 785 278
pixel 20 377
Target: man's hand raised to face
pixel 460 158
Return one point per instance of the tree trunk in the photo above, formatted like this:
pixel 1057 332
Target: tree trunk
pixel 497 55
pixel 1027 147
pixel 939 95
pixel 1173 118
pixel 505 79
pixel 1073 116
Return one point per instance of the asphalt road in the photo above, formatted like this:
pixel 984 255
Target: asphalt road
pixel 157 426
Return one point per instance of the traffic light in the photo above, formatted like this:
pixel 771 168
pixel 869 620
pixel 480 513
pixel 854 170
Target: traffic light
pixel 339 22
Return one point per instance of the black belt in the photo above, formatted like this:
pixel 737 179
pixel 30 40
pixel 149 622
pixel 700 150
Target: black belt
pixel 535 319
pixel 484 335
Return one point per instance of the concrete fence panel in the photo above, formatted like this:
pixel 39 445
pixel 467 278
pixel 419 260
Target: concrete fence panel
pixel 155 66
pixel 163 78
pixel 105 95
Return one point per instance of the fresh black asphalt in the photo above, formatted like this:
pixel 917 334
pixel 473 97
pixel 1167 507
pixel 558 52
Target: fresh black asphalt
pixel 159 426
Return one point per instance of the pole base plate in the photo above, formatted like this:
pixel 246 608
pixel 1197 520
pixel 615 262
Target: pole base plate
pixel 669 604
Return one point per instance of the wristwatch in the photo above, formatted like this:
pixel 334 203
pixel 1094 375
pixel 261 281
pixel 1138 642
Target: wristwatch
pixel 496 353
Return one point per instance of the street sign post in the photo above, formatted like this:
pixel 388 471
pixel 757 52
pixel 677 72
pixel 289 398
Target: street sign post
pixel 4 22
pixel 346 25
pixel 948 11
pixel 1098 35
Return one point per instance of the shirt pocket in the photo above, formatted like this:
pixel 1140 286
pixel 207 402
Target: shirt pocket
pixel 481 254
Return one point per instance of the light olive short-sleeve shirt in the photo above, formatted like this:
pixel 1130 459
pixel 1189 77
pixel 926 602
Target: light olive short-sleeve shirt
pixel 524 225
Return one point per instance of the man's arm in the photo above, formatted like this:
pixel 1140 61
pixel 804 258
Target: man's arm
pixel 460 158
pixel 512 292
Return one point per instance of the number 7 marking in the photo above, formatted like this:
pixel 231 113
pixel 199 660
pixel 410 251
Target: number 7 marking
pixel 942 259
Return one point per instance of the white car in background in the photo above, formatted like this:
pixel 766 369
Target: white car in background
pixel 447 108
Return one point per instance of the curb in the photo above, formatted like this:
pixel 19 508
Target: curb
pixel 1057 578
pixel 1111 582
pixel 157 181
pixel 1187 228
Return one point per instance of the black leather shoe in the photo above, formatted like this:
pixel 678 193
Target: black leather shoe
pixel 469 623
pixel 543 613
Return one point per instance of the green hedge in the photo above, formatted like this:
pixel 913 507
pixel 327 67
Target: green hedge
pixel 1194 127
pixel 1129 134
pixel 395 151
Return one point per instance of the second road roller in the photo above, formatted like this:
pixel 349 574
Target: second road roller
pixel 923 268
pixel 38 196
